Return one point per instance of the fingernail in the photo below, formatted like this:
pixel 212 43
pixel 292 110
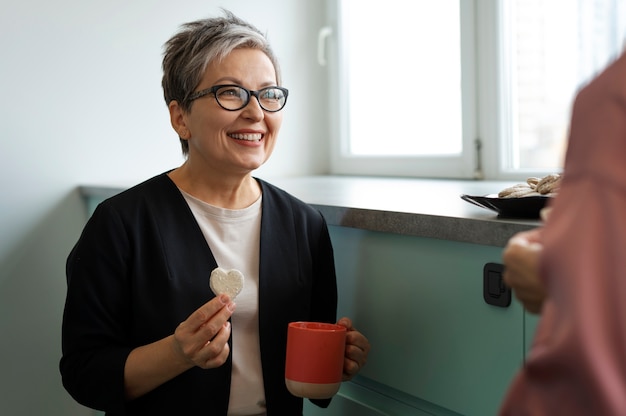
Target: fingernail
pixel 520 241
pixel 231 306
pixel 224 299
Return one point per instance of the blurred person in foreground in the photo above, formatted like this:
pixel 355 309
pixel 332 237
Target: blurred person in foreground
pixel 573 269
pixel 143 334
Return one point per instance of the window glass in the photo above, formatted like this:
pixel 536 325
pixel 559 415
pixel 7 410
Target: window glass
pixel 404 77
pixel 553 47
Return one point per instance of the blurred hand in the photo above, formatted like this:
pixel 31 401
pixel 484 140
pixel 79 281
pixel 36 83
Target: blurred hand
pixel 521 269
pixel 357 349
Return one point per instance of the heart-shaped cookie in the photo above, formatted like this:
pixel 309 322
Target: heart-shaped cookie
pixel 229 282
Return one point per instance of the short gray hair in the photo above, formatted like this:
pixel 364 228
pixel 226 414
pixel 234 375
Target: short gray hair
pixel 197 44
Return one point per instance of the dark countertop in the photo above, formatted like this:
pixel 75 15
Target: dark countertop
pixel 429 208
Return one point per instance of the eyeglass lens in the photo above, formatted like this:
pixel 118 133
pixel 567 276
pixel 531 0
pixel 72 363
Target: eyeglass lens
pixel 232 97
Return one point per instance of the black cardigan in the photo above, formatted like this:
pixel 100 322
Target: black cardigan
pixel 141 266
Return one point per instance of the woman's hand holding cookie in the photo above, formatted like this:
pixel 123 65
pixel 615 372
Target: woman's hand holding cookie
pixel 202 339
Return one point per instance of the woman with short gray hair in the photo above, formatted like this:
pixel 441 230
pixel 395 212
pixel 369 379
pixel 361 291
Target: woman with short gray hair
pixel 145 331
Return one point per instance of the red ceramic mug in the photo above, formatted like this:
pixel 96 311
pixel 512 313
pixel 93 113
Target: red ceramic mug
pixel 314 363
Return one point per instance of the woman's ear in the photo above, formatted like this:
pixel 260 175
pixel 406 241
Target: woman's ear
pixel 177 119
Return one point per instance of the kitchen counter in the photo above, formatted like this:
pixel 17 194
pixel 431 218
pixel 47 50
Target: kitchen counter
pixel 429 208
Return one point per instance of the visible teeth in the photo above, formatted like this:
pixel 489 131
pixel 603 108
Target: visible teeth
pixel 254 137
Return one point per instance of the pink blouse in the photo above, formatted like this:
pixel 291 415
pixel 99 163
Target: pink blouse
pixel 577 364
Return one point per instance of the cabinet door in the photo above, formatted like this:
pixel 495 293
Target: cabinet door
pixel 363 397
pixel 420 303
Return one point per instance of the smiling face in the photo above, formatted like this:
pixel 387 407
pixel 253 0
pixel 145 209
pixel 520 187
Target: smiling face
pixel 230 142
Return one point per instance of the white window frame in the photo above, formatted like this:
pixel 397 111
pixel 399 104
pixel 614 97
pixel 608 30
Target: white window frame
pixel 487 109
pixel 462 166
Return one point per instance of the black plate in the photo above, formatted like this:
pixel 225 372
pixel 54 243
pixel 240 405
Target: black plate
pixel 524 207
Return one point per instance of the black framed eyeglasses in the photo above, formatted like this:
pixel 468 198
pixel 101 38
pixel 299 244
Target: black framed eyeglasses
pixel 234 97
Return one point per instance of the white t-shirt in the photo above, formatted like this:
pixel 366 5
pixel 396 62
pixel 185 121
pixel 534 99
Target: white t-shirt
pixel 234 239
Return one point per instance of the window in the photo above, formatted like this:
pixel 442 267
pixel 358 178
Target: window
pixel 462 89
pixel 551 48
pixel 430 87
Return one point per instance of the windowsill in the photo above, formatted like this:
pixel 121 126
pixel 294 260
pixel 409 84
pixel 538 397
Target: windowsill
pixel 430 208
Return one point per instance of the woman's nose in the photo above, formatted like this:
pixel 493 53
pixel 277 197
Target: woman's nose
pixel 253 110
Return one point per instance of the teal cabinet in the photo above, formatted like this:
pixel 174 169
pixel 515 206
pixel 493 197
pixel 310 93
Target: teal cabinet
pixel 437 347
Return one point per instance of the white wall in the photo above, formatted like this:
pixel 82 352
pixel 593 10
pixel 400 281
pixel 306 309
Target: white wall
pixel 81 103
